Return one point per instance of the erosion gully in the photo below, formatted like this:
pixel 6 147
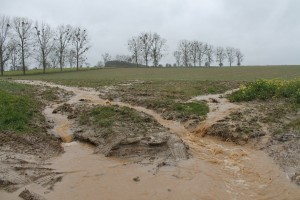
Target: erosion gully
pixel 216 169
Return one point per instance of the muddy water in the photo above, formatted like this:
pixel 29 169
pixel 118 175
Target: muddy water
pixel 216 170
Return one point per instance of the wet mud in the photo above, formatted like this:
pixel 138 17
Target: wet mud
pixel 214 170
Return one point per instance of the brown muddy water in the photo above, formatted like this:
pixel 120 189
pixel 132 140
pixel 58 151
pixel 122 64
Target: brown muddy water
pixel 216 170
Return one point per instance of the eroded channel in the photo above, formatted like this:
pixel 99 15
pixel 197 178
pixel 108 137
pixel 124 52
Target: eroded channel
pixel 215 170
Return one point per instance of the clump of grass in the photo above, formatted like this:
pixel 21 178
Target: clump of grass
pixel 268 89
pixel 18 110
pixel 295 124
pixel 50 95
pixel 107 116
pixel 182 110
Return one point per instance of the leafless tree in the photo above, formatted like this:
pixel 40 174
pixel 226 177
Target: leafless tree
pixel 209 52
pixel 158 48
pixel 62 40
pixel 178 56
pixel 71 58
pixel 106 57
pixel 220 55
pixel 194 52
pixel 44 41
pixel 200 52
pixel 14 56
pixel 5 49
pixel 239 57
pixel 134 47
pixel 230 55
pixel 23 29
pixel 54 59
pixel 184 48
pixel 81 45
pixel 146 42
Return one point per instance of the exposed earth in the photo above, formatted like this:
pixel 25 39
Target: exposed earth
pixel 146 154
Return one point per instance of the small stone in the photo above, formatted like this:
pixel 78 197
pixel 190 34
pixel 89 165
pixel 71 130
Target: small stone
pixel 136 179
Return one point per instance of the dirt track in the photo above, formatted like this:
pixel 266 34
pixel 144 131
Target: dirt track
pixel 215 170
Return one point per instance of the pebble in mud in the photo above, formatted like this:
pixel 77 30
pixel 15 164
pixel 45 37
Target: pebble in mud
pixel 136 179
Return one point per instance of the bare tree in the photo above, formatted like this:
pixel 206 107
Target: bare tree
pixel 134 46
pixel 178 56
pixel 200 52
pixel 23 29
pixel 209 52
pixel 106 57
pixel 239 57
pixel 14 56
pixel 146 42
pixel 230 55
pixel 220 55
pixel 5 49
pixel 71 55
pixel 184 48
pixel 80 43
pixel 158 49
pixel 44 41
pixel 54 58
pixel 194 52
pixel 62 41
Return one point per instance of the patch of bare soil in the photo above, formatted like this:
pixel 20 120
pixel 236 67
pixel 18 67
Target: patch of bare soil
pixel 22 160
pixel 23 156
pixel 263 125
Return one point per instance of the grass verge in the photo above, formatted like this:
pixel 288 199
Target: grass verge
pixel 19 112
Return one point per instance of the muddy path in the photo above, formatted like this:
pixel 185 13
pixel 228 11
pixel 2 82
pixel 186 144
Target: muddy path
pixel 215 170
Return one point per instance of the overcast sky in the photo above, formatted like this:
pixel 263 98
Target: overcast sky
pixel 266 31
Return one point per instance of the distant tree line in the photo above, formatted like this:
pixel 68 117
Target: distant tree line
pixel 196 53
pixel 147 47
pixel 22 40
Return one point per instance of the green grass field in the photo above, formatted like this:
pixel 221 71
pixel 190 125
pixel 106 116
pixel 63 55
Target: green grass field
pixel 108 75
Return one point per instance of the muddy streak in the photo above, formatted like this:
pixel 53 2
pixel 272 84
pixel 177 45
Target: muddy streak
pixel 219 107
pixel 62 124
pixel 217 170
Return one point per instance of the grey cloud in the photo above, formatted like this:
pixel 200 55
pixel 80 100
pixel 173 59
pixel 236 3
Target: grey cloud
pixel 267 31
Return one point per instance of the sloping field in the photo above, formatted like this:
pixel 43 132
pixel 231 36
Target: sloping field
pixel 151 74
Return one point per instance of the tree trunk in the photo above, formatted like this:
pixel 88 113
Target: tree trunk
pixel 44 63
pixel 77 62
pixel 23 62
pixel 1 63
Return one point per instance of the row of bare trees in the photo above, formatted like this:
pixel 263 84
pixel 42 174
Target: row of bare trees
pixel 195 53
pixel 22 39
pixel 147 47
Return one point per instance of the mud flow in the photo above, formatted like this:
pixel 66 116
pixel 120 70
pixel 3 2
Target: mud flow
pixel 212 170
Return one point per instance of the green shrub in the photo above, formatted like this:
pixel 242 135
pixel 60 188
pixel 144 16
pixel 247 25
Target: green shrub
pixel 267 89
